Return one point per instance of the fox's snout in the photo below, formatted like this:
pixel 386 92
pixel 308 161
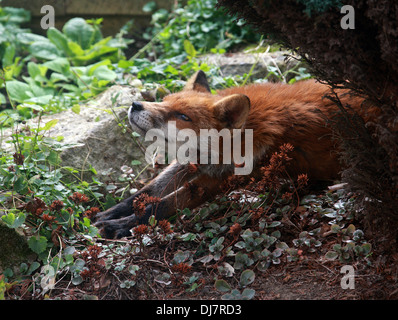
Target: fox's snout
pixel 140 118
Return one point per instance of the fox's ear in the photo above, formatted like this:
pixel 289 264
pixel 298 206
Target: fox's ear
pixel 233 110
pixel 198 82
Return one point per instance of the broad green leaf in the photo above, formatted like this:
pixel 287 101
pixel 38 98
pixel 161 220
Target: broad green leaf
pixel 28 38
pixel 20 184
pixel 15 15
pixel 8 56
pixel 3 99
pixel 59 40
pixel 45 50
pixel 60 65
pixel 43 100
pixel 79 31
pixel 75 48
pixel 104 73
pixel 36 71
pixel 93 67
pixel 18 90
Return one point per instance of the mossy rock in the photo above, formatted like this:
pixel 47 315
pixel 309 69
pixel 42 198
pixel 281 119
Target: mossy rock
pixel 14 248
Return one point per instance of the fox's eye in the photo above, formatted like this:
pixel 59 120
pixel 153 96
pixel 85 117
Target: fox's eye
pixel 183 117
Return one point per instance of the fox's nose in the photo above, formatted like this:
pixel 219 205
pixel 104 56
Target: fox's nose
pixel 137 106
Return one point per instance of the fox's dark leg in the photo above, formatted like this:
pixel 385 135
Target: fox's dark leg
pixel 190 195
pixel 194 193
pixel 168 181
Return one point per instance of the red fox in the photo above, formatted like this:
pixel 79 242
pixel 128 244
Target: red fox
pixel 274 113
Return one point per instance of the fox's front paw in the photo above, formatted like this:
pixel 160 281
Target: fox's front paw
pixel 117 228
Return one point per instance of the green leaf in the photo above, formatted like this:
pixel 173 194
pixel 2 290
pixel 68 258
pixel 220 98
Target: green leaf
pixel 76 280
pixel 133 269
pixel 149 7
pixel 9 218
pixel 8 56
pixel 248 294
pixel 17 90
pixel 36 71
pixel 189 48
pixel 16 15
pixel 60 65
pixel 247 277
pixel 367 248
pixel 38 244
pixel 20 184
pixel 222 286
pixel 49 125
pixel 34 266
pixel 104 73
pixel 79 31
pixel 274 224
pixel 59 40
pixel 45 50
pixel 135 162
pixel 331 255
pixel 75 48
pixel 14 221
pixel 3 99
pixel 76 108
pixel 335 228
pixel 350 229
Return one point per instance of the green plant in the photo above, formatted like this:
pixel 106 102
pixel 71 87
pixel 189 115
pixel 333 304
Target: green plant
pixel 69 66
pixel 355 245
pixel 51 212
pixel 246 278
pixel 191 23
pixel 10 46
pixel 80 41
pixel 307 241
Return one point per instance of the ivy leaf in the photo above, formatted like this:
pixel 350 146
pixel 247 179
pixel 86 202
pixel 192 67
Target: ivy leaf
pixel 38 244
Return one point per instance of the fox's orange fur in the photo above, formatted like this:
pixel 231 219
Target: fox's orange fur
pixel 277 113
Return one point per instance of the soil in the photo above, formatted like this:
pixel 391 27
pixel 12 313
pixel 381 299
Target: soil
pixel 311 278
pixel 173 268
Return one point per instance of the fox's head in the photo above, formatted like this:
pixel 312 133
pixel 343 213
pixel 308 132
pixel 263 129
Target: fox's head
pixel 193 108
pixel 195 121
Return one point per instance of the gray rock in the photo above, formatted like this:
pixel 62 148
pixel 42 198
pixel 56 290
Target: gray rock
pixel 241 63
pixel 13 248
pixel 99 135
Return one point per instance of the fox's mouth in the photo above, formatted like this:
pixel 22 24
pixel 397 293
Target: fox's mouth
pixel 136 127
